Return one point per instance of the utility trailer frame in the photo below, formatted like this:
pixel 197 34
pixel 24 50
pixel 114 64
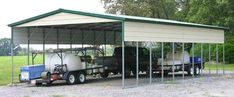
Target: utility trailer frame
pixel 179 67
pixel 71 77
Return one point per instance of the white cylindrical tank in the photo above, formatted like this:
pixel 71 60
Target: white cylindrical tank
pixel 73 62
pixel 180 58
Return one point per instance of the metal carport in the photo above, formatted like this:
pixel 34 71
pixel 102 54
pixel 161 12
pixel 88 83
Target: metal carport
pixel 75 27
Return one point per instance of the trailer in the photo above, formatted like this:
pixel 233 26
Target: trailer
pixel 180 62
pixel 71 65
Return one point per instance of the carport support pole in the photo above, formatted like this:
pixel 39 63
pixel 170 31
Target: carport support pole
pixel 217 59
pixel 209 58
pixel 202 59
pixel 150 72
pixel 12 60
pixel 28 32
pixel 162 63
pixel 137 65
pixel 223 59
pixel 193 58
pixel 82 39
pixel 105 42
pixel 183 60
pixel 57 36
pixel 173 58
pixel 70 36
pixel 43 45
pixel 123 84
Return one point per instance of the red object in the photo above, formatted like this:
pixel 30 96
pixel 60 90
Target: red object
pixel 54 77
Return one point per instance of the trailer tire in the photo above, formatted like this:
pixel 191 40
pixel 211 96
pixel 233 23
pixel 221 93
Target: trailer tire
pixel 105 74
pixel 190 70
pixel 196 70
pixel 81 77
pixel 20 78
pixel 49 83
pixel 71 79
pixel 38 84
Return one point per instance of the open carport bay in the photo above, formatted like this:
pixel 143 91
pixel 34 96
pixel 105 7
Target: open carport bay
pixel 82 28
pixel 209 86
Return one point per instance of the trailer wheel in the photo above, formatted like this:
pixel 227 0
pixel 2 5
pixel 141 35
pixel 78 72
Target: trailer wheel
pixel 190 70
pixel 104 74
pixel 197 70
pixel 81 77
pixel 20 78
pixel 71 79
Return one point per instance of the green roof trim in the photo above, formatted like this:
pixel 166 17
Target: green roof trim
pixel 65 11
pixel 119 17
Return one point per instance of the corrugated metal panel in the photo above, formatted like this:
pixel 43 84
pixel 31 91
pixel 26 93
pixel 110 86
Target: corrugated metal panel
pixel 111 17
pixel 20 36
pixel 134 31
pixel 65 18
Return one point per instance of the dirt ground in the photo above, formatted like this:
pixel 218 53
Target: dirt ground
pixel 200 86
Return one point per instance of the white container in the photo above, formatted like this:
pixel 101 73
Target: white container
pixel 72 61
pixel 180 58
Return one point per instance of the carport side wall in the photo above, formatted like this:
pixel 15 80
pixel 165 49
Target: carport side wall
pixel 139 31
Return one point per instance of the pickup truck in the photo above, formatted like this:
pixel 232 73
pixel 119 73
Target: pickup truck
pixel 114 62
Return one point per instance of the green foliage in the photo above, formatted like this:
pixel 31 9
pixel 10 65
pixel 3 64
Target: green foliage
pixel 5 47
pixel 212 12
pixel 146 8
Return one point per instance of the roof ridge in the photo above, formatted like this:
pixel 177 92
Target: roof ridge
pixel 117 17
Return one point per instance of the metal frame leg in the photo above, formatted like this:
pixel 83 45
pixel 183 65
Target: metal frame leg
pixel 28 47
pixel 209 58
pixel 123 75
pixel 193 58
pixel 12 58
pixel 162 63
pixel 150 72
pixel 202 59
pixel 217 59
pixel 137 65
pixel 223 59
pixel 173 58
pixel 183 60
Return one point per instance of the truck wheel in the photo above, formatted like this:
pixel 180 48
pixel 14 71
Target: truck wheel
pixel 104 74
pixel 81 77
pixel 196 70
pixel 190 71
pixel 134 72
pixel 71 79
pixel 127 73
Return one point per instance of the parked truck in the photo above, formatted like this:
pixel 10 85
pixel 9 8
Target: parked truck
pixel 114 62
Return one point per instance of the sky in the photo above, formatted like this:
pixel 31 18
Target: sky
pixel 16 10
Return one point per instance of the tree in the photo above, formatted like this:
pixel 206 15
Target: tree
pixel 5 47
pixel 146 8
pixel 211 12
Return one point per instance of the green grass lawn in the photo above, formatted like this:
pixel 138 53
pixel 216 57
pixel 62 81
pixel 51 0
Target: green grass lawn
pixel 219 66
pixel 5 67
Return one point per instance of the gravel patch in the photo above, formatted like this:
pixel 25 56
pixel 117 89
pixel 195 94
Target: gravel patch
pixel 206 86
